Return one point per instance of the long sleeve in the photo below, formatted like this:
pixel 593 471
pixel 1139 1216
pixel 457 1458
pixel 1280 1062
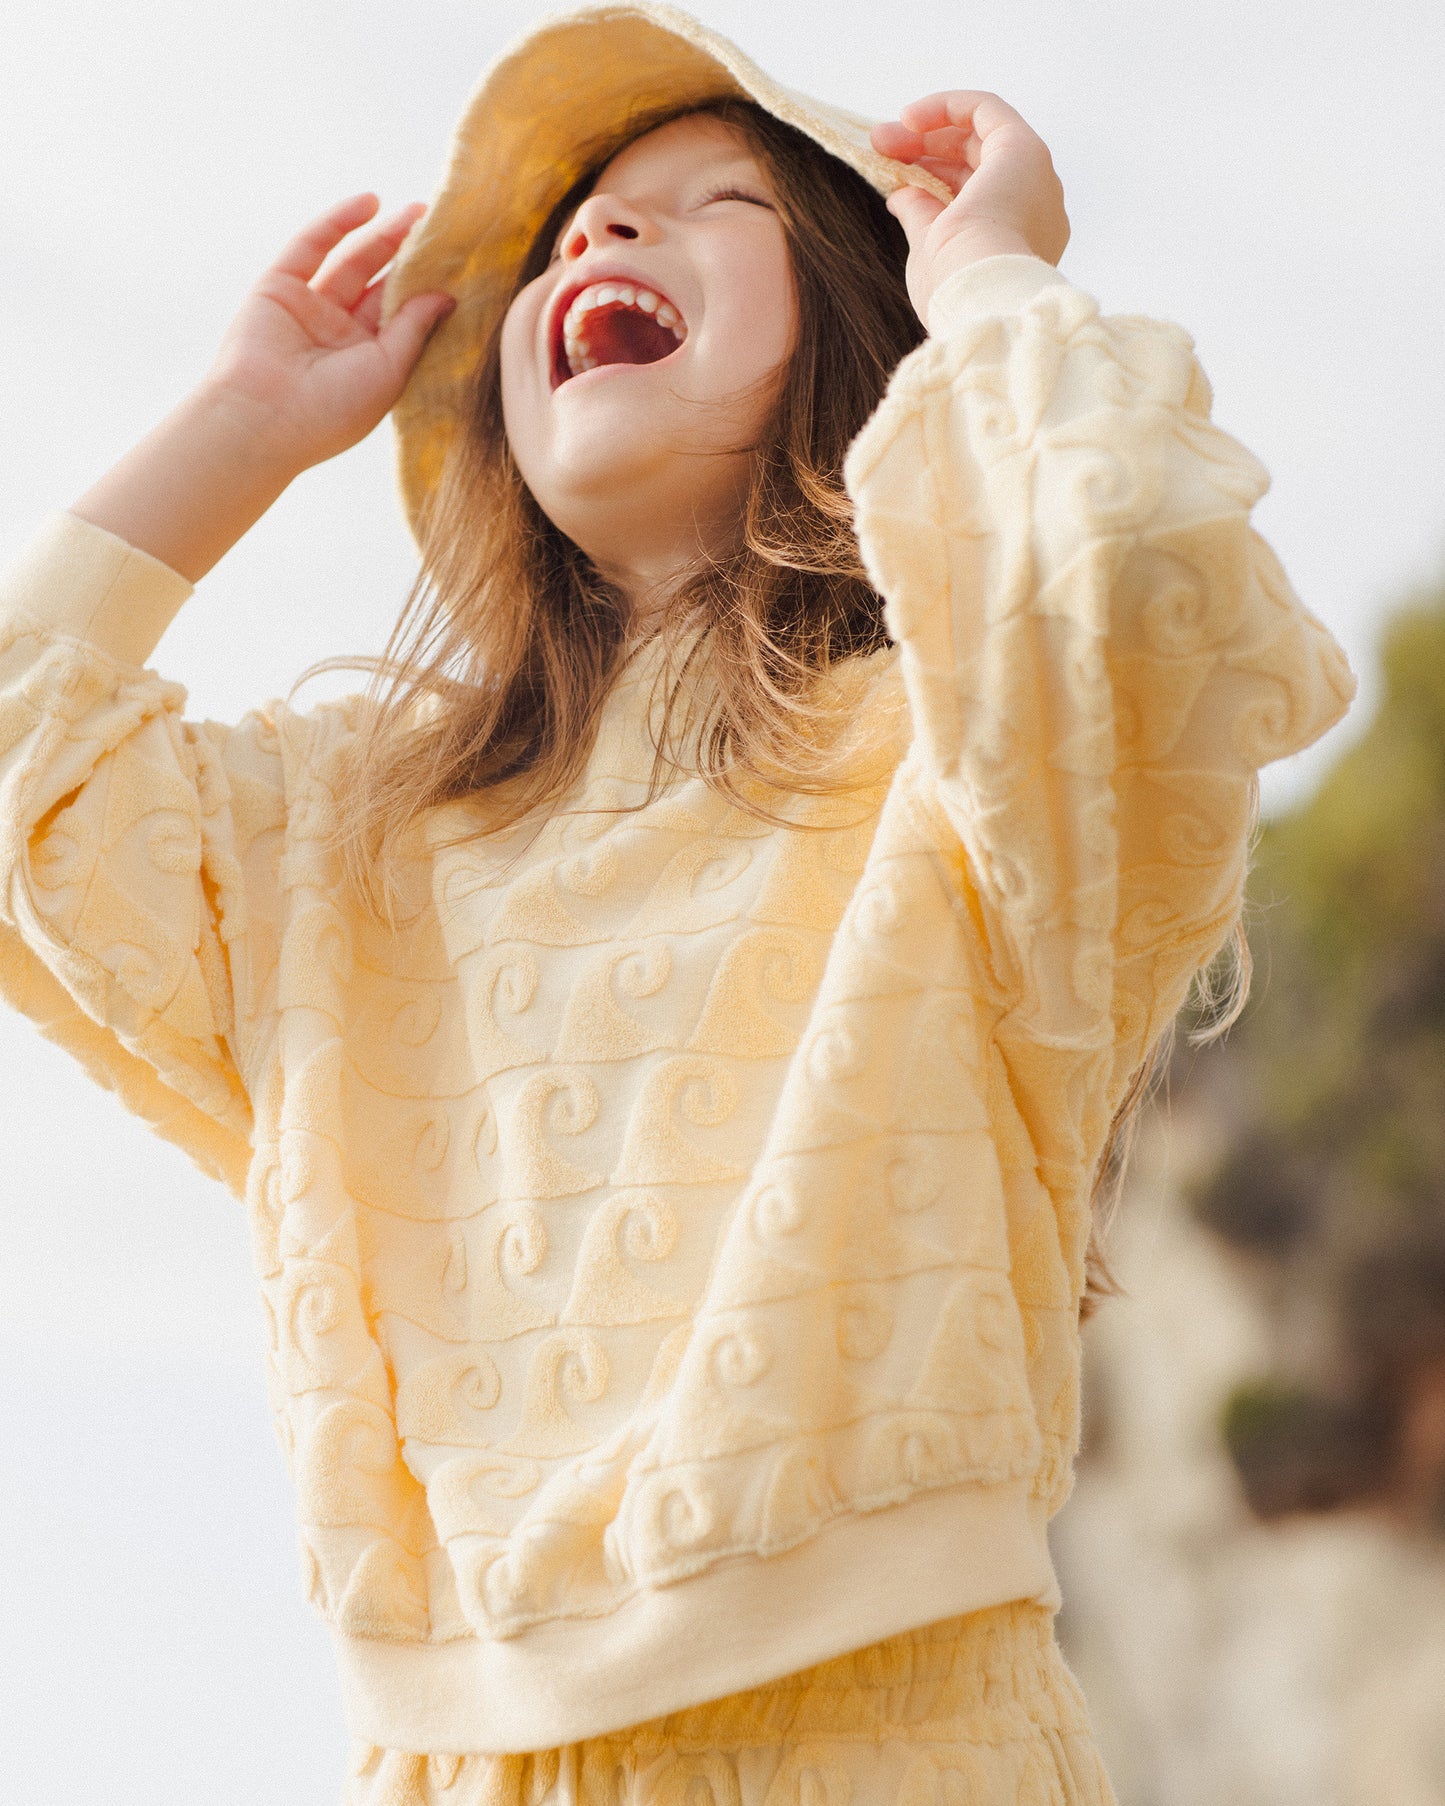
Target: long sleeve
pixel 125 834
pixel 1099 650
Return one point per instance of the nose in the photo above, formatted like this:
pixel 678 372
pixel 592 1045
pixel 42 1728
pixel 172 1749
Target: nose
pixel 601 218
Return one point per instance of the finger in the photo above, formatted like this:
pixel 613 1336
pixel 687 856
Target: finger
pixel 367 311
pixel 304 254
pixel 954 174
pixel 892 139
pixel 345 281
pixel 406 331
pixel 978 107
pixel 915 211
pixel 323 322
pixel 950 141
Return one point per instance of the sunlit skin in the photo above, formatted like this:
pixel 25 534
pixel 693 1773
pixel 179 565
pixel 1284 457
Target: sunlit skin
pixel 1007 197
pixel 645 466
pixel 625 459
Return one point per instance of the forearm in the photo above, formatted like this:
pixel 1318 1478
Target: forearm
pixel 193 486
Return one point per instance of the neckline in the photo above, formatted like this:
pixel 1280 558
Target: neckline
pixel 648 652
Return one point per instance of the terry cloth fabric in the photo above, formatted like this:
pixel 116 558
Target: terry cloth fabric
pixel 672 1239
pixel 973 1709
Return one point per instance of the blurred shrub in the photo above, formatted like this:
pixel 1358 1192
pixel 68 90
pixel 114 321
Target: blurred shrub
pixel 1331 1097
pixel 1259 1197
pixel 1295 1450
pixel 1393 1304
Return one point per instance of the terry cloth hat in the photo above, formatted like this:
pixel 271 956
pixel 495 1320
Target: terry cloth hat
pixel 561 96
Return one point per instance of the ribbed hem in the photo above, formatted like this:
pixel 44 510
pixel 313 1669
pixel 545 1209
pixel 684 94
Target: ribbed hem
pixel 746 1621
pixel 77 579
pixel 992 286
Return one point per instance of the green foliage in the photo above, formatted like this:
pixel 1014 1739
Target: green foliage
pixel 1362 859
pixel 1296 1450
pixel 1332 1162
pixel 1347 1040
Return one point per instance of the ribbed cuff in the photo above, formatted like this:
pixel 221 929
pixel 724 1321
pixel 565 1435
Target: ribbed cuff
pixel 80 580
pixel 992 286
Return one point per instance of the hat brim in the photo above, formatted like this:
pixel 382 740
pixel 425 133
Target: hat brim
pixel 565 93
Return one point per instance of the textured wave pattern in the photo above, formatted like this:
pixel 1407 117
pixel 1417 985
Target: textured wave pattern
pixel 970 1709
pixel 677 1183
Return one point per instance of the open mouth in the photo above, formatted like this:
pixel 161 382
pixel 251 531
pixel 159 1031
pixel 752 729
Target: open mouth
pixel 614 322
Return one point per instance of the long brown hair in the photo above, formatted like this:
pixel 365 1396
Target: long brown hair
pixel 1216 1001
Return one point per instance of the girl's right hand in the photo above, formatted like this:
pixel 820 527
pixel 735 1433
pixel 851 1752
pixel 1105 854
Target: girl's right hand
pixel 305 360
pixel 1007 196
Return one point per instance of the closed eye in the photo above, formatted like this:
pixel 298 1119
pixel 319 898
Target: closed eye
pixel 718 194
pixel 734 194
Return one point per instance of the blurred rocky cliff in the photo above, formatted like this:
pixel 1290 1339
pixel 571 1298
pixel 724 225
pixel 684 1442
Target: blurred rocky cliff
pixel 1253 1562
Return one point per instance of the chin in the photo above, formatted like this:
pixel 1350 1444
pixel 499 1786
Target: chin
pixel 610 464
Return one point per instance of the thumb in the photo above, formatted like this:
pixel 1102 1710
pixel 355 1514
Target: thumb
pixel 406 331
pixel 915 210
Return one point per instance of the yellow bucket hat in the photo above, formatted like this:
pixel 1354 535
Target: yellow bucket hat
pixel 565 91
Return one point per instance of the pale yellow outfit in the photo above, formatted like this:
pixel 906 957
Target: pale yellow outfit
pixel 672 1240
pixel 967 1710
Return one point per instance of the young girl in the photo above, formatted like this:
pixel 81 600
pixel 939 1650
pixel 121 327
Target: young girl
pixel 668 1031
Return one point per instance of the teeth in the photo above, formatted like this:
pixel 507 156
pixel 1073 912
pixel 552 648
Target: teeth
pixel 611 294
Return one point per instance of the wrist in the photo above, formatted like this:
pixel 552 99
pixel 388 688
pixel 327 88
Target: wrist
pixel 238 430
pixel 972 245
pixel 989 287
pixel 195 484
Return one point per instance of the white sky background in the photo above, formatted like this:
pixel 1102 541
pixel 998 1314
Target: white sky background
pixel 1268 173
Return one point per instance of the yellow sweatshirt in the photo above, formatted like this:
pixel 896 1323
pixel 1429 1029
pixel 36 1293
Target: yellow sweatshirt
pixel 671 1241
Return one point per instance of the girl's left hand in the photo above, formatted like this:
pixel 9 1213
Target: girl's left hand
pixel 1006 194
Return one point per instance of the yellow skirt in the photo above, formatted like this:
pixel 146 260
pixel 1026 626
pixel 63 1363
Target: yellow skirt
pixel 979 1710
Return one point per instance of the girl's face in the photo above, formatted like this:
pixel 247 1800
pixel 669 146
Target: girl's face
pixel 639 368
